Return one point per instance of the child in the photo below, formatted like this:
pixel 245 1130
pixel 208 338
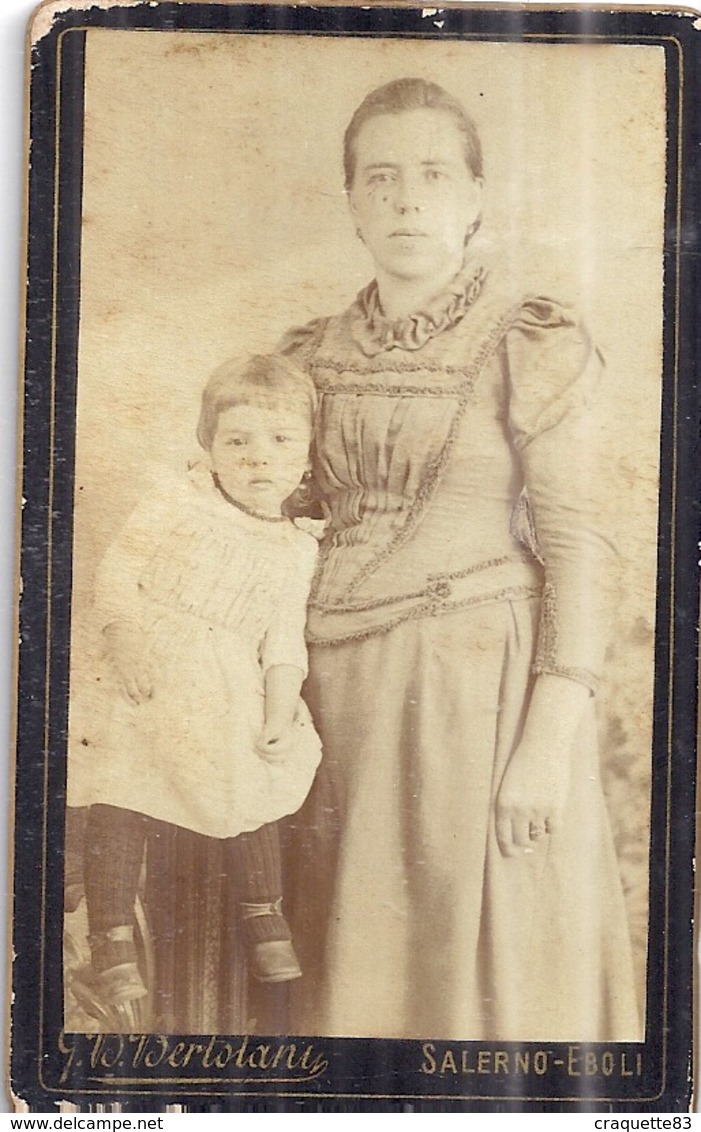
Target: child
pixel 201 602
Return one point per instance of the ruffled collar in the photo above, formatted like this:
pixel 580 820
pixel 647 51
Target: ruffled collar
pixel 375 333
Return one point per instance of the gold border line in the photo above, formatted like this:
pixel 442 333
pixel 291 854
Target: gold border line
pixel 124 1082
pixel 672 578
pixel 49 537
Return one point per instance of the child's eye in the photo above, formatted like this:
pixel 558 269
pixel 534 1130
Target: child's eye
pixel 434 175
pixel 281 438
pixel 235 441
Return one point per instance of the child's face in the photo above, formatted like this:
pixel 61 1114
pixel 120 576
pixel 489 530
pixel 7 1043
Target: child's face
pixel 260 453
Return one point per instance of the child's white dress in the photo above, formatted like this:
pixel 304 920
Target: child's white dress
pixel 221 596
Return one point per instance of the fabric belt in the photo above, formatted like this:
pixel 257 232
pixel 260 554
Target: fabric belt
pixel 499 579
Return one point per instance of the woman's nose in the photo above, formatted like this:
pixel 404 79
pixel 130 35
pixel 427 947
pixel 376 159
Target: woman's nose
pixel 408 197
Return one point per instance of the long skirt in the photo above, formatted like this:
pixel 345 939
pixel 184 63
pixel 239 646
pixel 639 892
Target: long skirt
pixel 425 929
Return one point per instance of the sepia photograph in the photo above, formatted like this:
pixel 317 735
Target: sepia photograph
pixel 474 314
pixel 365 519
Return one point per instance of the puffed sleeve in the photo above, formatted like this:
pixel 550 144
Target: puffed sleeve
pixel 555 375
pixel 284 640
pixel 300 342
pixel 117 594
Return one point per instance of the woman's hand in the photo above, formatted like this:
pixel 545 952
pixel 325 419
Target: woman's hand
pixel 275 743
pixel 127 651
pixel 533 791
pixel 531 797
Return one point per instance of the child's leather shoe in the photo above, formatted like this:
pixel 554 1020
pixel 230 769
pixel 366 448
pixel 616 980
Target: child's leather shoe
pixel 274 961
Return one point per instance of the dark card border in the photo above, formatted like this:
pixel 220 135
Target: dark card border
pixel 46 1066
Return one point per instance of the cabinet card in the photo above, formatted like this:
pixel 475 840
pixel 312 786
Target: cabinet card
pixel 383 319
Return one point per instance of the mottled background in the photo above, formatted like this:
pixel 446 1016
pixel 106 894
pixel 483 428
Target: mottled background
pixel 215 217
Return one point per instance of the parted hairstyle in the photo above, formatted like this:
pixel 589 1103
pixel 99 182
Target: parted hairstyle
pixel 264 379
pixel 411 94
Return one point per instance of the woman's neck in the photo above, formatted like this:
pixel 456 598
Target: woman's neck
pixel 402 297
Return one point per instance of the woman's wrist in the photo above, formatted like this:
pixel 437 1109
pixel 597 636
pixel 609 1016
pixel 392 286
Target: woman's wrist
pixel 584 676
pixel 555 711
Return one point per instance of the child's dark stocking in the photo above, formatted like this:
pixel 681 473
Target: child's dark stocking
pixel 256 858
pixel 114 849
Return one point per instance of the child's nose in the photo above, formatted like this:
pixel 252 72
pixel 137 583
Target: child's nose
pixel 258 455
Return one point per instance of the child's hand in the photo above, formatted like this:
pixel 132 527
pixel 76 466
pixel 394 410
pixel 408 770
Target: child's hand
pixel 275 743
pixel 127 652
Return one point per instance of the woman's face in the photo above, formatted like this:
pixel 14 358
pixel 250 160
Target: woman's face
pixel 413 197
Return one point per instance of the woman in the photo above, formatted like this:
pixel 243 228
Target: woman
pixel 456 625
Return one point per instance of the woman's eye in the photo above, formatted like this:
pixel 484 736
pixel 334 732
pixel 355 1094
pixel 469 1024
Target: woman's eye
pixel 281 439
pixel 434 175
pixel 380 179
pixel 235 442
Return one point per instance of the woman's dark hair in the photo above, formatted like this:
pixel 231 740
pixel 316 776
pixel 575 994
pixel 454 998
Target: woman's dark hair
pixel 411 94
pixel 264 379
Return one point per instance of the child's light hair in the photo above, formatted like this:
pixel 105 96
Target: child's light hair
pixel 264 379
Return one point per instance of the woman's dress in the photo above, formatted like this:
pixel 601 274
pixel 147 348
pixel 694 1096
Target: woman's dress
pixel 431 617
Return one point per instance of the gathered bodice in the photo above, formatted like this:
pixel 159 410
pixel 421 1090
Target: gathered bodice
pixel 427 434
pixel 413 463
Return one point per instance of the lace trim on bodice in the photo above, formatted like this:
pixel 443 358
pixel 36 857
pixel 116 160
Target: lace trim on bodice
pixel 374 333
pixel 420 473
